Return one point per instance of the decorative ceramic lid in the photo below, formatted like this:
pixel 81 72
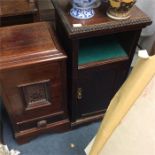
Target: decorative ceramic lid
pixel 83 3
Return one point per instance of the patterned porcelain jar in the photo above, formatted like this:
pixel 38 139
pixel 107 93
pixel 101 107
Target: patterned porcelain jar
pixel 82 9
pixel 97 4
pixel 120 9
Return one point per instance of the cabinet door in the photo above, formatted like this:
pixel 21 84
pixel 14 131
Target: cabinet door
pixel 97 86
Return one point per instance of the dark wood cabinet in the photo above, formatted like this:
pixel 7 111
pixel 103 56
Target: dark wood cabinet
pixel 13 12
pixel 100 51
pixel 33 79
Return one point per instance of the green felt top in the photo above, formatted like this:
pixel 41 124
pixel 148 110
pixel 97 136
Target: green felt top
pixel 99 49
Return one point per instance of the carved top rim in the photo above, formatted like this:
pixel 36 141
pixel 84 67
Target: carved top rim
pixel 139 20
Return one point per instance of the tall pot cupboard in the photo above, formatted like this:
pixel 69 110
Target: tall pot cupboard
pixel 100 51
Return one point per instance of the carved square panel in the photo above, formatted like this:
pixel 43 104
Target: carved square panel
pixel 36 94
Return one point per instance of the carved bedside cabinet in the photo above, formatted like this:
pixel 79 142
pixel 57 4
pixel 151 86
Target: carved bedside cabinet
pixel 33 78
pixel 100 51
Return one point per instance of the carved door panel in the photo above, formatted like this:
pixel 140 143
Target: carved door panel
pixel 37 94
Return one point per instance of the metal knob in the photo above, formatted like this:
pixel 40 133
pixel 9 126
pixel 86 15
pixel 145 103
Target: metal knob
pixel 42 124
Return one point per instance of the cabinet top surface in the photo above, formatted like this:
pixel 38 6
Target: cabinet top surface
pixel 16 7
pixel 27 43
pixel 100 22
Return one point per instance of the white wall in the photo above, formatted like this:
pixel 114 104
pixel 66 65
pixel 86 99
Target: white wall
pixel 148 34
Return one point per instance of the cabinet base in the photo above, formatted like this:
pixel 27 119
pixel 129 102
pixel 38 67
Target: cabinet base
pixel 87 120
pixel 27 135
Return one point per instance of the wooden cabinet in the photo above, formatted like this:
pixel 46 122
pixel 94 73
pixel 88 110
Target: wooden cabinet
pixel 33 78
pixel 39 94
pixel 100 51
pixel 14 12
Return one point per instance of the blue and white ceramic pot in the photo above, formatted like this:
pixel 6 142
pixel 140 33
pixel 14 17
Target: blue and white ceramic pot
pixel 82 9
pixel 97 4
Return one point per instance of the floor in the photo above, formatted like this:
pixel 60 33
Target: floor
pixel 68 143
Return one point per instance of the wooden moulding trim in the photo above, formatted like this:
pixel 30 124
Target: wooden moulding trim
pixel 32 10
pixel 89 119
pixel 101 32
pixel 30 59
pixel 99 63
pixel 34 124
pixel 39 130
pixel 20 14
pixel 113 26
pixel 43 117
pixel 26 136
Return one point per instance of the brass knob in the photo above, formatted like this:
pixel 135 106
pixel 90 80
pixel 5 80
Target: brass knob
pixel 42 124
pixel 79 93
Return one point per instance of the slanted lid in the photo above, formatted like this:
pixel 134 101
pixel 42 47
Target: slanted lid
pixel 28 44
